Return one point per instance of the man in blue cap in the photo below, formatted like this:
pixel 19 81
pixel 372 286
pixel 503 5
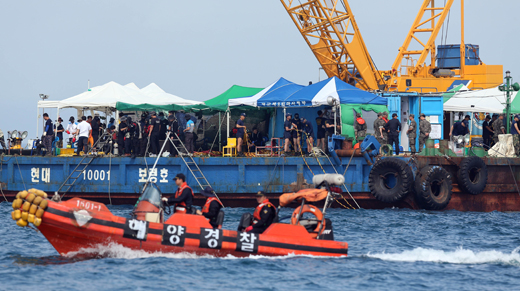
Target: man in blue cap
pixel 211 208
pixel 241 129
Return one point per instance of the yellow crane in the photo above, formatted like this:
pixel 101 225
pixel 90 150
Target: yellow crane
pixel 330 30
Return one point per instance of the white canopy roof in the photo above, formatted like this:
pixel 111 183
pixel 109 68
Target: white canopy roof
pixel 160 97
pixel 99 97
pixel 109 94
pixel 488 100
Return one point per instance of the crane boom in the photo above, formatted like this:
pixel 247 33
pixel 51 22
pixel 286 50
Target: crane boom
pixel 435 22
pixel 330 30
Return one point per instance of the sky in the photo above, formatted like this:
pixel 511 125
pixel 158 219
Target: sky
pixel 198 49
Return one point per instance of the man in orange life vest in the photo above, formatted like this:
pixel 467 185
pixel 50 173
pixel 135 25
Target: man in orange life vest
pixel 211 208
pixel 264 215
pixel 183 198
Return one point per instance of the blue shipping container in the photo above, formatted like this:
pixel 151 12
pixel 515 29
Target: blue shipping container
pixel 448 56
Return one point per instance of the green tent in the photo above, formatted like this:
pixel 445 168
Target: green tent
pixel 347 118
pixel 220 103
pixel 449 94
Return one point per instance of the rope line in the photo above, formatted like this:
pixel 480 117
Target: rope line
pixel 19 170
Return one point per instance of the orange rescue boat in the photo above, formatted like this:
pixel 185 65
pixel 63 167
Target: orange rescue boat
pixel 77 224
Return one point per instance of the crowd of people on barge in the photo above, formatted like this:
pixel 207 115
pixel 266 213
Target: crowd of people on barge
pixel 146 136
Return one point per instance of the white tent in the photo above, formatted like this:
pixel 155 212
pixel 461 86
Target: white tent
pixel 488 100
pixel 159 97
pixel 99 98
pixel 132 85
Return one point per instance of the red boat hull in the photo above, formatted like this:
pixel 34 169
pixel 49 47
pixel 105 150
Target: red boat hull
pixel 77 224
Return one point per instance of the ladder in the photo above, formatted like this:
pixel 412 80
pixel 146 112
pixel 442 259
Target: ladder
pixel 80 167
pixel 190 163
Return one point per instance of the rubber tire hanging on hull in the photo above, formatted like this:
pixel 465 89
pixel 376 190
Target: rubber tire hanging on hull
pixel 472 175
pixel 390 180
pixel 433 188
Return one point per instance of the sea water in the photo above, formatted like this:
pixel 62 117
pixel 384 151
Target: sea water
pixel 392 249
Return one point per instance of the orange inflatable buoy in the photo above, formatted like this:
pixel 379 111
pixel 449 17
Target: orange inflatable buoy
pixel 312 210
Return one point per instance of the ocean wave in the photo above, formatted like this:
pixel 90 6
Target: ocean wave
pixel 459 256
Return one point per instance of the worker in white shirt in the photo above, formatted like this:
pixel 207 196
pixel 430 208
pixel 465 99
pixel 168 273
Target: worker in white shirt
pixel 84 131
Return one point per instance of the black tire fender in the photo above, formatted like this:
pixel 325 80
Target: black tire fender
pixel 390 180
pixel 433 188
pixel 472 175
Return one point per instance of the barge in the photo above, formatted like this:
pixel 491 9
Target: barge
pixel 119 180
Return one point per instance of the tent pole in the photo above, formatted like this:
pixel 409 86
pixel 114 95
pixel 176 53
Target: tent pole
pixel 219 132
pixel 227 112
pixel 335 114
pixel 55 124
pixel 37 121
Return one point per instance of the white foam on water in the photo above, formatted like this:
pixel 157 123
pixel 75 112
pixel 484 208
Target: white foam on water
pixel 117 251
pixel 459 256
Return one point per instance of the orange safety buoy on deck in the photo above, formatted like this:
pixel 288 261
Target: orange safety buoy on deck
pixel 312 210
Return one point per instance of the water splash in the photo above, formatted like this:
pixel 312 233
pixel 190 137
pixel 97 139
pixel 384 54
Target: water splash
pixel 117 251
pixel 459 256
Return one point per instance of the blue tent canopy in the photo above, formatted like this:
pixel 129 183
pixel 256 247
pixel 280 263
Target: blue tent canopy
pixel 279 90
pixel 317 95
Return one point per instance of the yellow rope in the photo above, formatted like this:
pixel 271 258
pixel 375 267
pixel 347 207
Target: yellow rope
pixel 305 161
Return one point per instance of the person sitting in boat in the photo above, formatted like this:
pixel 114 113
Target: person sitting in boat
pixel 211 208
pixel 183 198
pixel 264 215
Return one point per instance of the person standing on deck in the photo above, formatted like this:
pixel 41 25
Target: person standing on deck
pixel 487 131
pixel 515 131
pixel 296 132
pixel 498 127
pixel 155 128
pixel 360 127
pixel 48 134
pixel 424 131
pixel 188 135
pixel 59 133
pixel 309 132
pixel 288 126
pixel 84 130
pixel 143 140
pixel 2 140
pixel 173 129
pixel 123 138
pixel 412 133
pixel 72 128
pixel 393 127
pixel 320 122
pixel 96 128
pixel 379 125
pixel 241 130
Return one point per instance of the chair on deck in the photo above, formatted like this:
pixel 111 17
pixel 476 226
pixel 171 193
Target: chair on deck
pixel 230 150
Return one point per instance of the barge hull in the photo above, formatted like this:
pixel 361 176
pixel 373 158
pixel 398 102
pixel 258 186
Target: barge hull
pixel 236 180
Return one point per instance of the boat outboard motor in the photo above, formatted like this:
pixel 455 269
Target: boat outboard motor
pixel 328 232
pixel 149 205
pixel 245 221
